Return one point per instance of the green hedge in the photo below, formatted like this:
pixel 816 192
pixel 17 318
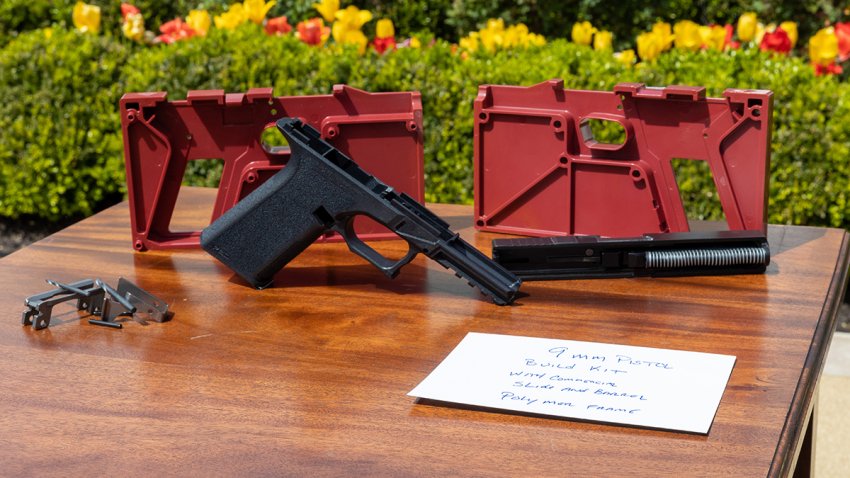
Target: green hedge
pixel 60 134
pixel 60 143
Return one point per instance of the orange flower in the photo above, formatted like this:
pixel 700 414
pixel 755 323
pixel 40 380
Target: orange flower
pixel 312 31
pixel 175 30
pixel 127 9
pixel 278 26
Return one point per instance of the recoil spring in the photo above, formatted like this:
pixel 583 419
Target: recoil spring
pixel 718 257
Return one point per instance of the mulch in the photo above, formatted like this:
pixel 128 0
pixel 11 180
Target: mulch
pixel 18 233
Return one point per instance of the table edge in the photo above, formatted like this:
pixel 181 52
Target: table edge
pixel 790 440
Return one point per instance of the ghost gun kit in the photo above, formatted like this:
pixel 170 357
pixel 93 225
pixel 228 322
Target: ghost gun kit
pixel 656 255
pixel 322 190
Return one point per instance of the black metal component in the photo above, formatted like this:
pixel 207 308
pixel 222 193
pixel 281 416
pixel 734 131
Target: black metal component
pixel 106 323
pixel 40 306
pixel 321 189
pixel 97 298
pixel 69 288
pixel 656 255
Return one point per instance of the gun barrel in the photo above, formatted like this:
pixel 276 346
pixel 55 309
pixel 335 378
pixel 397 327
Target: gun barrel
pixel 657 255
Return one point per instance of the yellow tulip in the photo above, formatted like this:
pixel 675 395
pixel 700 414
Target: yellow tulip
pixel 490 39
pixel 823 47
pixel 256 10
pixel 687 35
pixel 493 35
pixel 650 45
pixel 713 37
pixel 602 40
pixel 353 18
pixel 328 9
pixel 415 43
pixel 536 39
pixel 470 42
pixel 346 28
pixel 791 29
pixel 664 33
pixel 583 33
pixel 232 18
pixel 515 35
pixel 199 20
pixel 747 24
pixel 495 25
pixel 626 57
pixel 86 17
pixel 134 26
pixel 384 28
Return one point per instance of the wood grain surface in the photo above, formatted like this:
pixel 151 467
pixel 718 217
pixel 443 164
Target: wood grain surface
pixel 309 378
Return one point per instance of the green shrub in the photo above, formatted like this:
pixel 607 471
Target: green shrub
pixel 60 135
pixel 60 145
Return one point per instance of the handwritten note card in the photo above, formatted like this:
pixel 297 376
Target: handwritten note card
pixel 641 386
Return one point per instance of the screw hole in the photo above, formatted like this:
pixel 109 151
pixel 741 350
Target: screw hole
pixel 480 223
pixel 138 245
pixel 756 112
pixel 273 112
pixel 635 173
pixel 483 116
pixel 563 160
pixel 556 124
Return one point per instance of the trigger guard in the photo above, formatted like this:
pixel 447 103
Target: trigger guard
pixel 356 245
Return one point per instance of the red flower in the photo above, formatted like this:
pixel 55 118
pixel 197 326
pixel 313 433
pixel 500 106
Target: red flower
pixel 842 32
pixel 278 26
pixel 730 32
pixel 383 44
pixel 127 9
pixel 777 40
pixel 832 69
pixel 313 31
pixel 175 30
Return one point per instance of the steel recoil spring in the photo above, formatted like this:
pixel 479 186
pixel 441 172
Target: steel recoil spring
pixel 717 257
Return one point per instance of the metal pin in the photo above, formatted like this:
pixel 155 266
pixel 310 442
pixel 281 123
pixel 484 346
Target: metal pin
pixel 105 323
pixel 67 287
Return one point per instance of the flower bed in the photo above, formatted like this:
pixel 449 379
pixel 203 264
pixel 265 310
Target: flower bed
pixel 60 142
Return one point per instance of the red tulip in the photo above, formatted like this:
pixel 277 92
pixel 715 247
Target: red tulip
pixel 278 26
pixel 175 30
pixel 842 32
pixel 730 33
pixel 383 44
pixel 312 31
pixel 777 40
pixel 831 69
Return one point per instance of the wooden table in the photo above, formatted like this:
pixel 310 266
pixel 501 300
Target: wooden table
pixel 310 378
